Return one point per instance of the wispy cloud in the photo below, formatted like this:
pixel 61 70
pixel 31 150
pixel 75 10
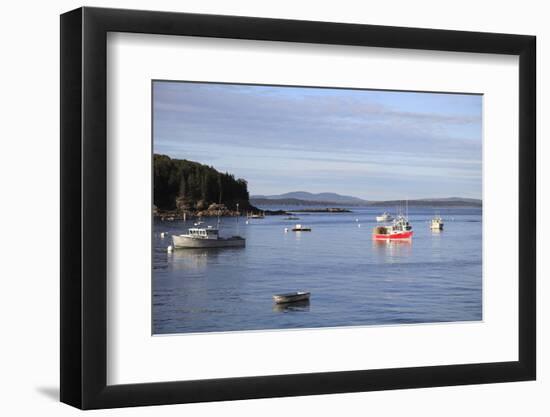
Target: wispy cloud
pixel 322 136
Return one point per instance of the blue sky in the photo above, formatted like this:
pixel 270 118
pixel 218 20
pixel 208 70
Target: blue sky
pixel 366 143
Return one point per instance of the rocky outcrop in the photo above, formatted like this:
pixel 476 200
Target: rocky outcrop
pixel 215 210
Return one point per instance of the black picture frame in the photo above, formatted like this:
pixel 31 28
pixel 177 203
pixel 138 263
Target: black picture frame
pixel 84 207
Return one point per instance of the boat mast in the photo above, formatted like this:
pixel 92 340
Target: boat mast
pixel 238 215
pixel 219 207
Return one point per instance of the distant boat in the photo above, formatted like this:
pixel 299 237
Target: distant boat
pixel 437 223
pixel 384 217
pixel 291 297
pixel 206 237
pixel 300 228
pixel 291 218
pixel 400 229
pixel 255 215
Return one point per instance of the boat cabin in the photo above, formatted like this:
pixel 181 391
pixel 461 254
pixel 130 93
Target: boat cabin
pixel 437 223
pixel 203 233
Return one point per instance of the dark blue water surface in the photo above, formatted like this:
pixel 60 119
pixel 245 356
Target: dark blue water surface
pixel 353 280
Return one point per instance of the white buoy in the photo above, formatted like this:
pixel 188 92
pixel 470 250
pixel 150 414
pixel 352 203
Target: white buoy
pixel 162 235
pixel 286 229
pixel 359 225
pixel 356 220
pixel 247 222
pixel 169 249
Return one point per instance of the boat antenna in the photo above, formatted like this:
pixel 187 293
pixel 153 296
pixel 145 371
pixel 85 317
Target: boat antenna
pixel 219 208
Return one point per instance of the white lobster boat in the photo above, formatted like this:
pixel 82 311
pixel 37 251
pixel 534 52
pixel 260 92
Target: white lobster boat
pixel 437 223
pixel 206 237
pixel 384 217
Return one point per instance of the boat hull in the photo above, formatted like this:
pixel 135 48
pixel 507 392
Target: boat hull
pixel 393 236
pixel 291 297
pixel 185 242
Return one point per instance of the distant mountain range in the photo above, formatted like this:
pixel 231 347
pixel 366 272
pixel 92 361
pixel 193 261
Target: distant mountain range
pixel 303 198
pixel 311 197
pixel 432 202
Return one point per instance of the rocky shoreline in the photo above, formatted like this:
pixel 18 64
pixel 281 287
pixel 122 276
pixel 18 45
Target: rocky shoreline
pixel 214 210
pixel 323 210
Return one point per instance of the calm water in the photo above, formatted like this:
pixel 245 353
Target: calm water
pixel 353 280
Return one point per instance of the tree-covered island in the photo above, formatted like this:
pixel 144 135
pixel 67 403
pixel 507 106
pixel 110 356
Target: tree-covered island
pixel 190 188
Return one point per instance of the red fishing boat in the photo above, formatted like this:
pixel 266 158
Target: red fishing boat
pixel 399 230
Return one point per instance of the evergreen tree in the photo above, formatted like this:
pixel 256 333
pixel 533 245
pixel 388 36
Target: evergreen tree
pixel 180 178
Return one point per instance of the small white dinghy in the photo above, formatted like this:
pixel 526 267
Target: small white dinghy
pixel 300 228
pixel 291 297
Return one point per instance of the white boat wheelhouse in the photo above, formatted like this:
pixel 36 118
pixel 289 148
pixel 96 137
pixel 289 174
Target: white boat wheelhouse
pixel 209 232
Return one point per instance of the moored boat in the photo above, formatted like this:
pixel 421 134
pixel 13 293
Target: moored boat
pixel 206 237
pixel 384 217
pixel 300 228
pixel 437 223
pixel 256 215
pixel 291 297
pixel 400 229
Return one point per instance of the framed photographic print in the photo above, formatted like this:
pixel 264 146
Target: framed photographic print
pixel 258 207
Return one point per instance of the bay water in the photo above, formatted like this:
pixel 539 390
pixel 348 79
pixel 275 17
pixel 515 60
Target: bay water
pixel 353 280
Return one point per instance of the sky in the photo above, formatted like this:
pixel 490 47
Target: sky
pixel 371 144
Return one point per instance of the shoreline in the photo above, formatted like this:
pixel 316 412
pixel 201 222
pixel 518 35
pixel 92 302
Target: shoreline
pixel 197 214
pixel 172 215
pixel 323 210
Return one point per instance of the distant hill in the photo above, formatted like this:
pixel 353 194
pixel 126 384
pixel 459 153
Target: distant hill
pixel 302 198
pixel 312 197
pixel 296 202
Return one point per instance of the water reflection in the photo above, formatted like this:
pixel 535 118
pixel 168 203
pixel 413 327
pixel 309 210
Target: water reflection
pixel 197 258
pixel 391 250
pixel 291 307
pixel 437 244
